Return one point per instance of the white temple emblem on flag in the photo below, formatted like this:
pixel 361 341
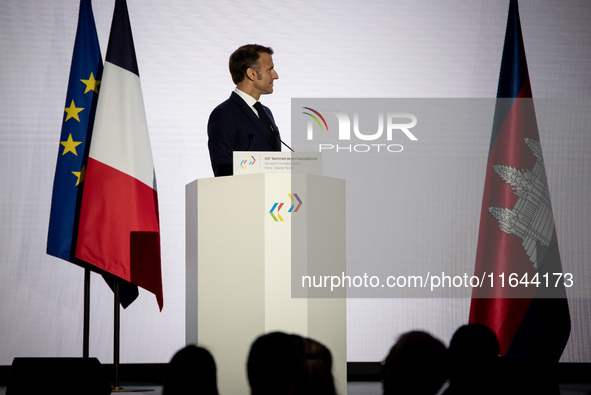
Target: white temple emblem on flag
pixel 531 218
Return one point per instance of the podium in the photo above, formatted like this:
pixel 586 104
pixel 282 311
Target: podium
pixel 250 241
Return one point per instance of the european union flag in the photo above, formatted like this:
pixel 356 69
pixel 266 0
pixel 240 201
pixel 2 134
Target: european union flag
pixel 83 87
pixel 81 99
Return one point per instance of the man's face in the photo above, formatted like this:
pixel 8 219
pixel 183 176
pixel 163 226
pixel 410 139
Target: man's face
pixel 266 74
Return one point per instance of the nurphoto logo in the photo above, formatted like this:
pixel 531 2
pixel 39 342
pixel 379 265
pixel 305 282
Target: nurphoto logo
pixel 355 127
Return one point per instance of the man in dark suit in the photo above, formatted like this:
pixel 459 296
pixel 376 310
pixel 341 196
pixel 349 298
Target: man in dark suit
pixel 241 123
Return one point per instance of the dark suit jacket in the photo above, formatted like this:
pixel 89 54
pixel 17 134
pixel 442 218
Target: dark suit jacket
pixel 233 126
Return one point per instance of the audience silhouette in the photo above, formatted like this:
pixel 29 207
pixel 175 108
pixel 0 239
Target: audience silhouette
pixel 276 365
pixel 418 363
pixel 415 365
pixel 473 352
pixel 191 370
pixel 319 365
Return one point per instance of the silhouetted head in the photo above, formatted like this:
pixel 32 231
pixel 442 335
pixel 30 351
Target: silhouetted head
pixel 276 364
pixel 474 341
pixel 474 351
pixel 319 365
pixel 416 364
pixel 191 370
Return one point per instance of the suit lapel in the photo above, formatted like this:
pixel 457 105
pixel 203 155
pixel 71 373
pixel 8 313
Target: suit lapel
pixel 254 118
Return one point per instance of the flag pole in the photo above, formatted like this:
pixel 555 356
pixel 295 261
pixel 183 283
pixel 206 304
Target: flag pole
pixel 86 327
pixel 117 338
pixel 116 335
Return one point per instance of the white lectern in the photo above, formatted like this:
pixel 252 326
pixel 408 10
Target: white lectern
pixel 250 239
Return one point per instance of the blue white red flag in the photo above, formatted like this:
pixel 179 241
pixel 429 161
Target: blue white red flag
pixel 517 244
pixel 119 229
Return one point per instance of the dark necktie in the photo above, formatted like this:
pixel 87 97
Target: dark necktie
pixel 265 118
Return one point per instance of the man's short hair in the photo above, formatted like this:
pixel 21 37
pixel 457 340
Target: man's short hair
pixel 245 57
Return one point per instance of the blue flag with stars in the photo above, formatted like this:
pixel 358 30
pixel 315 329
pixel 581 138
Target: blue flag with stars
pixel 81 98
pixel 78 119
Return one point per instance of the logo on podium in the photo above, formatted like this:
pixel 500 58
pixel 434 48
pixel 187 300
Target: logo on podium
pixel 275 210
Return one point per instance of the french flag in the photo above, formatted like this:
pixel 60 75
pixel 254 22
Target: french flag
pixel 517 251
pixel 119 229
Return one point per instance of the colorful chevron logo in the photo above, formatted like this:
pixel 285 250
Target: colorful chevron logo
pixel 293 203
pixel 278 209
pixel 275 210
pixel 248 162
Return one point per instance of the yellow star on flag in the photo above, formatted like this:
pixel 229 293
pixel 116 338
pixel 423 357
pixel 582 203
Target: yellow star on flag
pixel 91 84
pixel 80 174
pixel 70 145
pixel 73 111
